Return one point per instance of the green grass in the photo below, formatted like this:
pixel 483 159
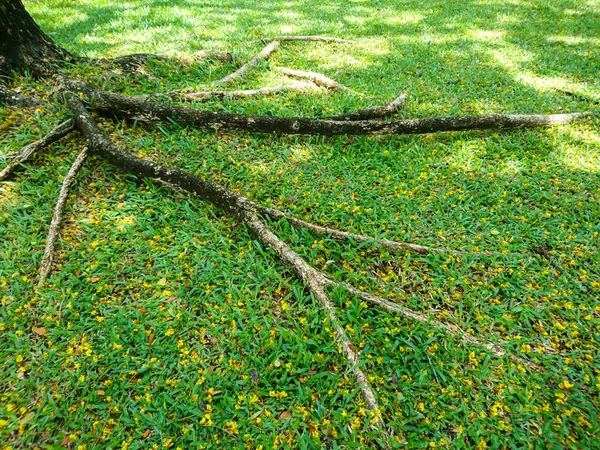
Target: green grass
pixel 166 324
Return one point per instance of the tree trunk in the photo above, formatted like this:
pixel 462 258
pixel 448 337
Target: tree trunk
pixel 23 45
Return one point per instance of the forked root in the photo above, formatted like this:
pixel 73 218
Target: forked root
pixel 241 208
pixel 135 108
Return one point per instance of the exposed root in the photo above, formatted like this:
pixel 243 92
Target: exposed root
pixel 452 330
pixel 11 98
pixel 347 236
pixel 241 208
pixel 317 78
pixel 134 108
pixel 209 95
pixel 210 54
pixel 133 62
pixel 57 217
pixel 376 112
pixel 242 71
pixel 578 97
pixel 9 155
pixel 305 38
pixel 57 133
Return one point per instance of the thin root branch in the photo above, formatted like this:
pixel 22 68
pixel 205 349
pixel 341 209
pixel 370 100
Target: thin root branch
pixel 275 214
pixel 209 95
pixel 305 38
pixel 317 78
pixel 57 133
pixel 242 71
pixel 241 208
pixel 452 330
pixel 59 210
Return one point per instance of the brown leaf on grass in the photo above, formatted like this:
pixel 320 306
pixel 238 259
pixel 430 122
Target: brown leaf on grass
pixel 146 434
pixel 151 338
pixel 285 415
pixel 26 418
pixel 40 330
pixel 66 441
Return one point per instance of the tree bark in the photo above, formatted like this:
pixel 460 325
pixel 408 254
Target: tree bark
pixel 140 109
pixel 23 45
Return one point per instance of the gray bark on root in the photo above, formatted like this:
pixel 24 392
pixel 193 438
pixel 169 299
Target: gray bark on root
pixel 243 71
pixel 286 38
pixel 318 78
pixel 56 134
pixel 203 96
pixel 246 211
pixel 57 217
pixel 239 207
pixel 10 98
pixel 134 108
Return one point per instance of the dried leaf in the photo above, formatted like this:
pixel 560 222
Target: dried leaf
pixel 285 415
pixel 95 279
pixel 151 338
pixel 66 441
pixel 312 372
pixel 146 434
pixel 27 417
pixel 100 392
pixel 41 331
pixel 162 282
pixel 217 392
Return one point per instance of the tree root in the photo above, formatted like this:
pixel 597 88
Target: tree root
pixel 58 216
pixel 241 208
pixel 57 133
pixel 452 330
pixel 317 78
pixel 304 38
pixel 203 96
pixel 242 71
pixel 578 97
pixel 248 212
pixel 133 108
pixel 375 112
pixel 10 98
pixel 347 236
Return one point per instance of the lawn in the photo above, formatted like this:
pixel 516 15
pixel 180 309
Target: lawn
pixel 166 324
